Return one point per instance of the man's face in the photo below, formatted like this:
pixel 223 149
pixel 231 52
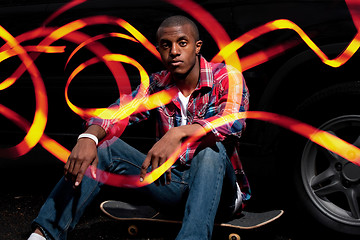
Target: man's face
pixel 178 48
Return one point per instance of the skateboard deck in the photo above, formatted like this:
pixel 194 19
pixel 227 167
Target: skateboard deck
pixel 135 216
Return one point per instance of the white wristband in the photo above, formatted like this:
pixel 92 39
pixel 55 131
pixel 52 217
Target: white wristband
pixel 89 135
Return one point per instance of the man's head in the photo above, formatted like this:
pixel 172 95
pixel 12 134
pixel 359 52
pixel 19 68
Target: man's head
pixel 178 44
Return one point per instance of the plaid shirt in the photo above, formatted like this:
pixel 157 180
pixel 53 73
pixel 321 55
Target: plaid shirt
pixel 206 104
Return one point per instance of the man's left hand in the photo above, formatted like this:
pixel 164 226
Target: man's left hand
pixel 160 152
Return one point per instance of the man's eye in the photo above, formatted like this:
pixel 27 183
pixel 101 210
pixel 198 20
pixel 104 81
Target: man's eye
pixel 165 45
pixel 183 44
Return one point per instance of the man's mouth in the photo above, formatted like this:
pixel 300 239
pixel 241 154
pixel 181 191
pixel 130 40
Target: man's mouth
pixel 175 63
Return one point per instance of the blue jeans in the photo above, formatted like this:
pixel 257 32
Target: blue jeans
pixel 197 190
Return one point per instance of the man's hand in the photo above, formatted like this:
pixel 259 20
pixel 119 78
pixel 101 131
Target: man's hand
pixel 166 146
pixel 83 155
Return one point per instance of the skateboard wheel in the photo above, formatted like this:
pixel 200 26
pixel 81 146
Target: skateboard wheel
pixel 132 230
pixel 234 236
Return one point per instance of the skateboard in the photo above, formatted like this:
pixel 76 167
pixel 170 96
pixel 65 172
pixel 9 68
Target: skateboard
pixel 136 216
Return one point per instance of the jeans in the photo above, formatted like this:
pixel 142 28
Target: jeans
pixel 203 192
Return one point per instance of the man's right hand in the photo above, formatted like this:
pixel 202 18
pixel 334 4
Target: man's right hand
pixel 83 155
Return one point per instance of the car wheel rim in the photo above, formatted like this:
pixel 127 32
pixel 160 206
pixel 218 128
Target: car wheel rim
pixel 332 182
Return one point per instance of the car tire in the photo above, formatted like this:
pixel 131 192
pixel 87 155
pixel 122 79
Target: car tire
pixel 327 185
pixel 331 184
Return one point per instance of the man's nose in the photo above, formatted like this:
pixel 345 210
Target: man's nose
pixel 174 51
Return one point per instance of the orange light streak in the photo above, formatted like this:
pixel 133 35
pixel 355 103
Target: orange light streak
pixel 287 24
pixel 45 49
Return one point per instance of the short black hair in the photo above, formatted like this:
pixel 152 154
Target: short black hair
pixel 179 20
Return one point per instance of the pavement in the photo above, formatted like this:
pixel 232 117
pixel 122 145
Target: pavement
pixel 26 183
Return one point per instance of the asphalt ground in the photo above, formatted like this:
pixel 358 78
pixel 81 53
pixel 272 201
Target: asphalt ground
pixel 26 182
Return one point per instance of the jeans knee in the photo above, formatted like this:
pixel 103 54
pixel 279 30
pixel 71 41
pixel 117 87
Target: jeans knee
pixel 211 157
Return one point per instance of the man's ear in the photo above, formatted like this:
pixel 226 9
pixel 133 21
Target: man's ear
pixel 198 45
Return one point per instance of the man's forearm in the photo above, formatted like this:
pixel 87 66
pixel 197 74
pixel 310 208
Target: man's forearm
pixel 191 130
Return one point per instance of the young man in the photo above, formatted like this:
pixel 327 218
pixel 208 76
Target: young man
pixel 205 181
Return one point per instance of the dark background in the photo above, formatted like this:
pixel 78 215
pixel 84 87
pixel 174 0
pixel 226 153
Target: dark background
pixel 295 83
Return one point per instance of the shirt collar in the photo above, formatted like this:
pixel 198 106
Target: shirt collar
pixel 206 75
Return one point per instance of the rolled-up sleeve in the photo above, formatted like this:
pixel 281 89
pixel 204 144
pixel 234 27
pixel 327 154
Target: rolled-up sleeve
pixel 106 124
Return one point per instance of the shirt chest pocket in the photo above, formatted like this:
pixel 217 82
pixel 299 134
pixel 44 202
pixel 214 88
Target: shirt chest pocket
pixel 168 111
pixel 201 110
pixel 202 104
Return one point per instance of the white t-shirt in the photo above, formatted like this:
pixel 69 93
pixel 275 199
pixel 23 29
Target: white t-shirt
pixel 183 103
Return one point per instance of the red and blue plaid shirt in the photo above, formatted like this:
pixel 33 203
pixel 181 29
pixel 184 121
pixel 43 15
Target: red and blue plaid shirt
pixel 206 103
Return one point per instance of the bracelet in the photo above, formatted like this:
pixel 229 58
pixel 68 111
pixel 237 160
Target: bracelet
pixel 89 135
